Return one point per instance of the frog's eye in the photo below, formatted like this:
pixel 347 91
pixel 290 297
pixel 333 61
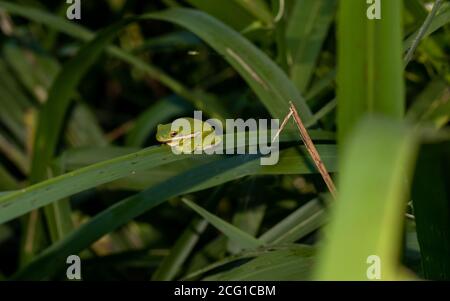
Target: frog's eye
pixel 173 134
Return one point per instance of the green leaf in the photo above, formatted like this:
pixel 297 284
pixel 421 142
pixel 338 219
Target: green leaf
pixel 80 157
pixel 245 240
pixel 369 80
pixel 44 193
pixel 292 161
pixel 41 194
pixel 367 217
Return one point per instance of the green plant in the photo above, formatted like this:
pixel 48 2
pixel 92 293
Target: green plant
pixel 78 105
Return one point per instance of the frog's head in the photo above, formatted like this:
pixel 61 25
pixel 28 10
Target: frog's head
pixel 165 133
pixel 177 131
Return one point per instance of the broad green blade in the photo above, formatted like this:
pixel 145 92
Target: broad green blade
pixel 370 65
pixel 80 157
pixel 292 161
pixel 245 240
pixel 366 222
pixel 41 194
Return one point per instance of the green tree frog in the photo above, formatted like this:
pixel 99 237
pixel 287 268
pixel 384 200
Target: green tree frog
pixel 188 135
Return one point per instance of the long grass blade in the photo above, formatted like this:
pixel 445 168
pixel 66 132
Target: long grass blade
pixel 369 80
pixel 369 211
